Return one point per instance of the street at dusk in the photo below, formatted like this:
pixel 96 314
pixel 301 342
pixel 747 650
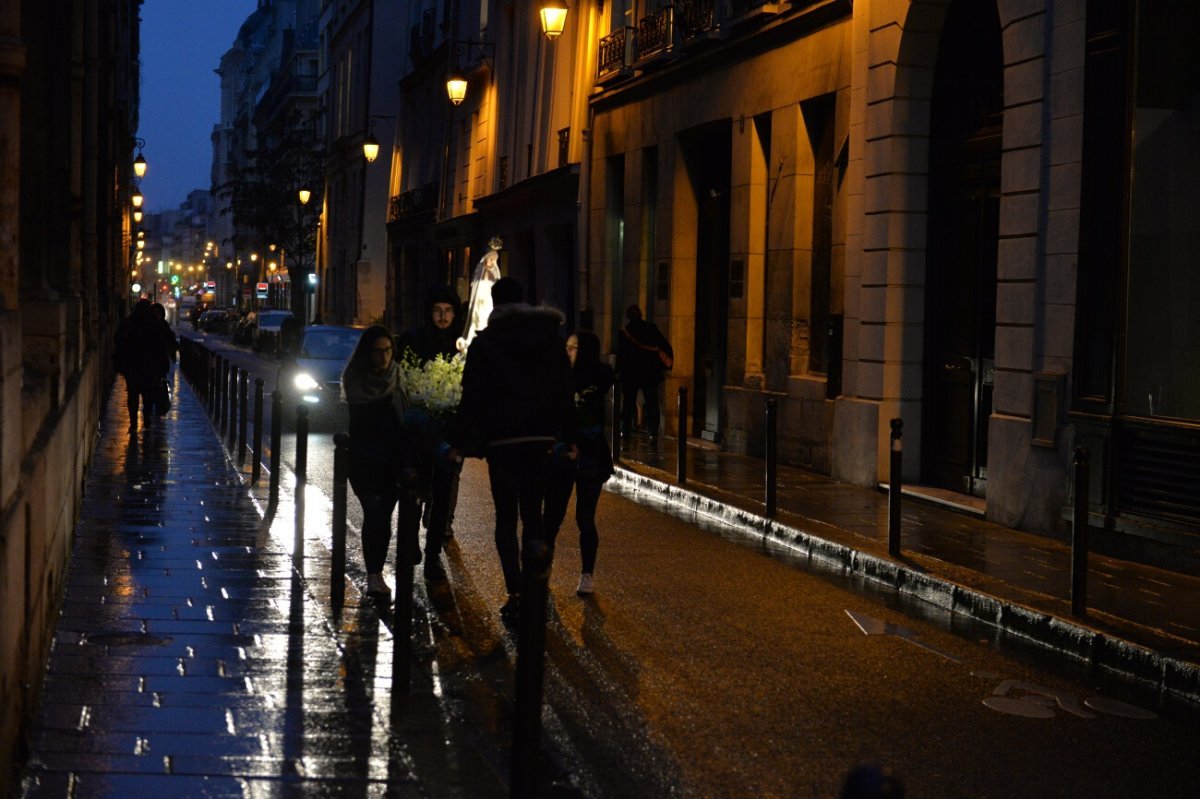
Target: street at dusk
pixel 582 399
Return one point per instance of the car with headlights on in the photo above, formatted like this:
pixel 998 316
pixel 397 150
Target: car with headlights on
pixel 312 374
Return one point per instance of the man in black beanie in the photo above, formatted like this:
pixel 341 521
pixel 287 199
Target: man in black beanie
pixel 436 337
pixel 517 402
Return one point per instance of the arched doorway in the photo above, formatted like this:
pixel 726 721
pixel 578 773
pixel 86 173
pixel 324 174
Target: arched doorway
pixel 963 229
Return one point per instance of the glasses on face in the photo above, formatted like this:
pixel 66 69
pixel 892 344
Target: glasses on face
pixel 381 350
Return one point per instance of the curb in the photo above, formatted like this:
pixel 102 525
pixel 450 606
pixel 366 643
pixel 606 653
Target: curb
pixel 1178 679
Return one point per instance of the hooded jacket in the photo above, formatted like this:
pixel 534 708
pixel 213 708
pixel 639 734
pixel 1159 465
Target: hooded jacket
pixel 517 384
pixel 427 341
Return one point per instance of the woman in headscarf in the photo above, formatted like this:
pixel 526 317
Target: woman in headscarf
pixel 380 452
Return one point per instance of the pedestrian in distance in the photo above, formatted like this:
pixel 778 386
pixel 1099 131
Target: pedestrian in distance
pixel 516 404
pixel 382 471
pixel 142 355
pixel 436 337
pixel 643 356
pixel 591 379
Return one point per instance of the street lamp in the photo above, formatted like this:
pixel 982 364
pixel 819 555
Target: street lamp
pixel 305 195
pixel 137 199
pixel 456 84
pixel 137 216
pixel 554 18
pixel 139 163
pixel 456 87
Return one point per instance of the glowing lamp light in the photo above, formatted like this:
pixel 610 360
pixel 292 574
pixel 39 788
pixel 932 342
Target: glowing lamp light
pixel 139 166
pixel 370 148
pixel 137 216
pixel 305 195
pixel 456 88
pixel 554 18
pixel 137 199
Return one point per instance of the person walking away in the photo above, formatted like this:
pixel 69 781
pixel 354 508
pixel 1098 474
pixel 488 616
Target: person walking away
pixel 643 356
pixel 141 355
pixel 436 337
pixel 591 379
pixel 517 401
pixel 171 345
pixel 380 451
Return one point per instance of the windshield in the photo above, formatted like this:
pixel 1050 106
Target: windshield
pixel 329 344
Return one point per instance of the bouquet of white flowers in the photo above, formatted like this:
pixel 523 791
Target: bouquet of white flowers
pixel 435 387
pixel 434 390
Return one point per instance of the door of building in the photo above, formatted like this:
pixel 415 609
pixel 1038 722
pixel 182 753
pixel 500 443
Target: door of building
pixel 708 153
pixel 963 228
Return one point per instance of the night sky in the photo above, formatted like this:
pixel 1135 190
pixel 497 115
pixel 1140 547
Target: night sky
pixel 182 43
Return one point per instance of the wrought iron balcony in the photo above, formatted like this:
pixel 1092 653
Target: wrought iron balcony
pixel 616 54
pixel 413 201
pixel 697 19
pixel 744 10
pixel 656 34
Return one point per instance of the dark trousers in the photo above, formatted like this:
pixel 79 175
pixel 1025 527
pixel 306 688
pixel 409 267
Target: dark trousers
pixel 517 473
pixel 587 498
pixel 379 498
pixel 138 390
pixel 629 392
pixel 443 489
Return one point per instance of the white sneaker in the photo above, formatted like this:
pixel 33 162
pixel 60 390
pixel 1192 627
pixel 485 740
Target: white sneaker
pixel 585 584
pixel 377 585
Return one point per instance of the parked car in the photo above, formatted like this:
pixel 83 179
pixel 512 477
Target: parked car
pixel 268 331
pixel 214 320
pixel 312 374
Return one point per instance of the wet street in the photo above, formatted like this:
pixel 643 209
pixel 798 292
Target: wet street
pixel 192 659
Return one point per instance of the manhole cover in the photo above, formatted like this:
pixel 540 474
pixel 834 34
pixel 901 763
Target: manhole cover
pixel 1019 707
pixel 1116 708
pixel 126 639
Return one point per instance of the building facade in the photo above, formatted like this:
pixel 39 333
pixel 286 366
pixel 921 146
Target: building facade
pixel 68 113
pixel 967 216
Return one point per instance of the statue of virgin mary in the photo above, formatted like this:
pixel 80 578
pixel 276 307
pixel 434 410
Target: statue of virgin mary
pixel 479 306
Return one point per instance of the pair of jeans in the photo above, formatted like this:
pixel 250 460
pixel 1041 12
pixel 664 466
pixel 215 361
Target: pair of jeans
pixel 629 392
pixel 587 498
pixel 379 495
pixel 517 474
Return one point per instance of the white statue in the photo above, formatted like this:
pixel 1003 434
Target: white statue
pixel 479 307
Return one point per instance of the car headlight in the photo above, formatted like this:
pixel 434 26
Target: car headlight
pixel 303 381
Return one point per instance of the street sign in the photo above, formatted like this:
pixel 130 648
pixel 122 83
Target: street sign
pixel 261 290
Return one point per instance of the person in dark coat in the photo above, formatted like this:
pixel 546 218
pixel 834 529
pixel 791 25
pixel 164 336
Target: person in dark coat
pixel 517 402
pixel 381 461
pixel 437 336
pixel 592 380
pixel 643 356
pixel 143 356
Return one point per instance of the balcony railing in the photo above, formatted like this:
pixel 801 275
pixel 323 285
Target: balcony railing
pixel 753 8
pixel 656 33
pixel 413 201
pixel 696 18
pixel 616 53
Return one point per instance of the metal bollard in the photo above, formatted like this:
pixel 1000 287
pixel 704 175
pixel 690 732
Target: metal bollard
pixel 1079 535
pixel 222 390
pixel 772 455
pixel 276 436
pixel 341 473
pixel 681 445
pixel 408 517
pixel 256 466
pixel 616 421
pixel 233 407
pixel 301 480
pixel 531 654
pixel 895 486
pixel 243 398
pixel 210 381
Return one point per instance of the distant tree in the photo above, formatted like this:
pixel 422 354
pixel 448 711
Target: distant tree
pixel 263 195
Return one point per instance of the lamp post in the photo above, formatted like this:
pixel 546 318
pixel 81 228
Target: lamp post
pixel 456 83
pixel 554 18
pixel 139 163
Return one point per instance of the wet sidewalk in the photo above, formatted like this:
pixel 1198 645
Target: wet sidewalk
pixel 1141 621
pixel 192 659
